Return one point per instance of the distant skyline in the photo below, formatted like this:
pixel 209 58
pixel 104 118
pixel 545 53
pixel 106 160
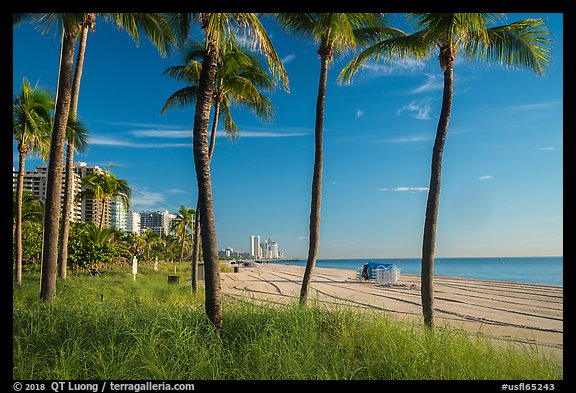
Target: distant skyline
pixel 502 176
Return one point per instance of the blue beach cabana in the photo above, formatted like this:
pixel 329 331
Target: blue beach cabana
pixel 368 270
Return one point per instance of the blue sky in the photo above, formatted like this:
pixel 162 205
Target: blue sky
pixel 502 175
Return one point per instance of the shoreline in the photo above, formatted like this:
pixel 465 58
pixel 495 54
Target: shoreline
pixel 521 313
pixel 393 260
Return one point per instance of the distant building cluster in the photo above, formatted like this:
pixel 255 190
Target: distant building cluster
pixel 267 249
pixel 116 214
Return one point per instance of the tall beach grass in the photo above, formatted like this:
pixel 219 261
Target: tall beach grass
pixel 110 327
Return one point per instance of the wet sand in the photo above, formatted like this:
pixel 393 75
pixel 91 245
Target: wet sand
pixel 525 314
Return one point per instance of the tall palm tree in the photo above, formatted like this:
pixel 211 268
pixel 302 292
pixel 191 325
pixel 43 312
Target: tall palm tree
pixel 158 30
pixel 183 225
pixel 523 44
pixel 216 27
pixel 335 33
pixel 103 186
pixel 31 124
pixel 240 78
pixel 75 141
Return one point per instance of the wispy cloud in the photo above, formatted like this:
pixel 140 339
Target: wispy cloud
pixel 392 68
pixel 288 59
pixel 146 200
pixel 154 133
pixel 177 191
pixel 408 139
pixel 548 148
pixel 272 132
pixel 433 82
pixel 485 177
pixel 405 189
pixel 419 109
pixel 533 106
pixel 114 142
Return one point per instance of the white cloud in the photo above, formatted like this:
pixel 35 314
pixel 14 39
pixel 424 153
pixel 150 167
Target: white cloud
pixel 408 139
pixel 288 59
pixel 548 148
pixel 359 113
pixel 145 200
pixel 404 189
pixel 485 177
pixel 152 133
pixel 533 107
pixel 421 109
pixel 268 134
pixel 395 67
pixel 433 82
pixel 108 141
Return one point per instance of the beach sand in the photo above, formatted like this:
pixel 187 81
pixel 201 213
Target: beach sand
pixel 524 314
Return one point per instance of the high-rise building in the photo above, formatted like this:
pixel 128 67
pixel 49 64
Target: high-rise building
pixel 255 247
pixel 275 253
pixel 36 182
pixel 91 209
pixel 133 222
pixel 118 214
pixel 157 221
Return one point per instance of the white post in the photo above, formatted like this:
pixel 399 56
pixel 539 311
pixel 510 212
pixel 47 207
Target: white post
pixel 134 266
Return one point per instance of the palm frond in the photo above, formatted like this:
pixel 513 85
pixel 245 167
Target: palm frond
pixel 181 98
pixel 415 45
pixel 524 44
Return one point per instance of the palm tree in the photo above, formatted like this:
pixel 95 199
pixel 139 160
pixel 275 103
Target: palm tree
pixel 240 78
pixel 150 238
pixel 76 140
pixel 523 44
pixel 335 33
pixel 156 27
pixel 31 124
pixel 183 225
pixel 32 209
pixel 216 27
pixel 103 186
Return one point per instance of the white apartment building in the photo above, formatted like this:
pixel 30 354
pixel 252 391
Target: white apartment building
pixel 133 222
pixel 119 214
pixel 36 181
pixel 255 246
pixel 86 210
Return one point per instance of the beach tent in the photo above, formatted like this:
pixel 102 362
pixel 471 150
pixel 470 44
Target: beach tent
pixel 370 268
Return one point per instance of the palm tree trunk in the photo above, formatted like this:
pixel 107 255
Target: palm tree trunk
pixel 429 240
pixel 18 234
pixel 195 249
pixel 55 164
pixel 104 202
pixel 197 230
pixel 314 240
pixel 68 190
pixel 66 212
pixel 213 301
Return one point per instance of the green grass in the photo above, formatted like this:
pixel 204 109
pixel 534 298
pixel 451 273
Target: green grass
pixel 113 328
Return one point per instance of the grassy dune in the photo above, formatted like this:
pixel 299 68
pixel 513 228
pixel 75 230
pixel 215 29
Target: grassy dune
pixel 110 327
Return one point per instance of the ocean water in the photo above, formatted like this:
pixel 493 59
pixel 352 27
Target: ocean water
pixel 534 270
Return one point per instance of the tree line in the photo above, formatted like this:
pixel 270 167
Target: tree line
pixel 216 72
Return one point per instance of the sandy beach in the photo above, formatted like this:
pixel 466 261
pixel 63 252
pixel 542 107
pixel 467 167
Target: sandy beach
pixel 505 311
